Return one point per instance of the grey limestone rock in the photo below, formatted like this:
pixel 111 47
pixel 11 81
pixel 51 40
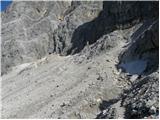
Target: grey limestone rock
pixel 40 28
pixel 31 30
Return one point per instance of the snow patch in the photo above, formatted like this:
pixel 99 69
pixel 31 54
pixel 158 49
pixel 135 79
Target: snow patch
pixel 134 67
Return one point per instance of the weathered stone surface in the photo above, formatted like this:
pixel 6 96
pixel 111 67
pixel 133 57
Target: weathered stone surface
pixel 30 28
pixel 71 32
pixel 144 46
pixel 92 34
pixel 68 26
pixel 115 15
pixel 142 97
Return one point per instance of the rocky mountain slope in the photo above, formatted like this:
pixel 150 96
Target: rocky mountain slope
pixel 80 60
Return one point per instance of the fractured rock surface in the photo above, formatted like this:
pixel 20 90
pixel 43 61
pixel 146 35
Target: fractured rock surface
pixel 29 28
pixel 75 59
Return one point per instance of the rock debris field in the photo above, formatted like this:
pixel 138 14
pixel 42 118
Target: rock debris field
pixel 80 59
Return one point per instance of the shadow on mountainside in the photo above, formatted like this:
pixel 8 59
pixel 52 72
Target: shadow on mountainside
pixel 144 47
pixel 141 100
pixel 115 15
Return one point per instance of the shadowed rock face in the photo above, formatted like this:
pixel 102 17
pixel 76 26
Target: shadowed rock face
pixel 121 15
pixel 98 38
pixel 31 30
pixel 124 12
pixel 28 28
pixel 144 47
pixel 115 15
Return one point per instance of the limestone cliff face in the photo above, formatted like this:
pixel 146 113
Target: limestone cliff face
pixel 115 15
pixel 31 30
pixel 112 63
pixel 28 28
